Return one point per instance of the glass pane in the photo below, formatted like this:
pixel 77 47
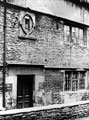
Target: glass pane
pixel 67 81
pixel 66 33
pixel 81 36
pixel 74 84
pixel 75 81
pixel 82 80
pixel 75 34
pixel 27 24
pixel 75 75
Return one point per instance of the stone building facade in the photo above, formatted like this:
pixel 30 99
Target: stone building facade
pixel 47 58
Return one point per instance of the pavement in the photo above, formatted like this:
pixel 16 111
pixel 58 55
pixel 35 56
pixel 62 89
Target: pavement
pixel 85 118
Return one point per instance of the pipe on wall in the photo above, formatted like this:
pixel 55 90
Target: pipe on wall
pixel 4 54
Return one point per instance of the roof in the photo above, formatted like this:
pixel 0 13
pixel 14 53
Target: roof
pixel 78 1
pixel 46 5
pixel 60 8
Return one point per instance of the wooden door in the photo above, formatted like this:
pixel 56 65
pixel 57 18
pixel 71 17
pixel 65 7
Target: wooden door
pixel 25 91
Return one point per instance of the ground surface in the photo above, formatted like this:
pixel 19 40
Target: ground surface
pixel 85 118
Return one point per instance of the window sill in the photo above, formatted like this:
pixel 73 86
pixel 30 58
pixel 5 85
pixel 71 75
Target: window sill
pixel 77 91
pixel 71 44
pixel 26 37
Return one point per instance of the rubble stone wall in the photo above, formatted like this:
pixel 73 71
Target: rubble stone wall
pixel 53 112
pixel 45 44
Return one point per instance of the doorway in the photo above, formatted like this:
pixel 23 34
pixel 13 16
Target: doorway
pixel 25 86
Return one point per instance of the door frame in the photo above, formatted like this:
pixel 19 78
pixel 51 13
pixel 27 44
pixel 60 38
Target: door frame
pixel 33 87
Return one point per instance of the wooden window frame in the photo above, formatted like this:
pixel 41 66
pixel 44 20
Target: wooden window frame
pixel 76 39
pixel 71 80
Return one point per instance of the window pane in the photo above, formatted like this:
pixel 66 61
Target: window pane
pixel 81 36
pixel 27 24
pixel 82 80
pixel 74 84
pixel 75 81
pixel 66 33
pixel 75 34
pixel 85 36
pixel 67 81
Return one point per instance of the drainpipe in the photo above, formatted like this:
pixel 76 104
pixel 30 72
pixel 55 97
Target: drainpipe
pixel 4 54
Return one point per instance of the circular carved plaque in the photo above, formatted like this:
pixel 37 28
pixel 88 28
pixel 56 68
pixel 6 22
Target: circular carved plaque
pixel 27 23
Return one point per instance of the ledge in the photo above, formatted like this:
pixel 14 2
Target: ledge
pixel 49 107
pixel 23 64
pixel 66 67
pixel 27 37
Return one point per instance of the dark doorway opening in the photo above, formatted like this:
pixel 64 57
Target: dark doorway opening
pixel 25 84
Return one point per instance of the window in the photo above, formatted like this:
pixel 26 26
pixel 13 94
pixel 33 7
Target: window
pixel 82 80
pixel 75 35
pixel 81 36
pixel 67 81
pixel 67 33
pixel 27 23
pixel 74 80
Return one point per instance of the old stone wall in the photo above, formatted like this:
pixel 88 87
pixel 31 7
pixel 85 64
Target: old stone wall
pixel 53 112
pixel 48 47
pixel 55 76
pixel 45 46
pixel 1 33
pixel 54 80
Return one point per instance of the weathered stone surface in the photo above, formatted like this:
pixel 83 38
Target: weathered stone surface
pixel 49 47
pixel 67 112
